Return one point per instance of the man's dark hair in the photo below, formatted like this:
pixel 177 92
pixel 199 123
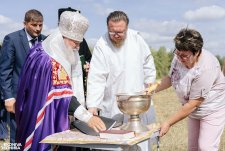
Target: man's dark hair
pixel 117 16
pixel 33 15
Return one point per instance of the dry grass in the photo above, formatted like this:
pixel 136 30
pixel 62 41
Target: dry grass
pixel 166 103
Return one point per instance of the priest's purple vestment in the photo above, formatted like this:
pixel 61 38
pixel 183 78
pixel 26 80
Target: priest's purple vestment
pixel 43 99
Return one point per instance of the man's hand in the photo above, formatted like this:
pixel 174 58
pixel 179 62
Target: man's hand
pixel 10 105
pixel 96 123
pixel 93 110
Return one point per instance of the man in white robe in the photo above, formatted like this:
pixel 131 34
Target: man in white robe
pixel 121 63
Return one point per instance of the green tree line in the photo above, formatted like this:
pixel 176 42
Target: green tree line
pixel 163 58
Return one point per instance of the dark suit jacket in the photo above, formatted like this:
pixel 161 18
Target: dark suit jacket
pixel 14 50
pixel 86 53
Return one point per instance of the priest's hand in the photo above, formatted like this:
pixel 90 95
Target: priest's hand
pixel 10 105
pixel 96 123
pixel 93 110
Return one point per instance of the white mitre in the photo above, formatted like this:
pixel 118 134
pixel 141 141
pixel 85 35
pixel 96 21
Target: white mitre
pixel 73 25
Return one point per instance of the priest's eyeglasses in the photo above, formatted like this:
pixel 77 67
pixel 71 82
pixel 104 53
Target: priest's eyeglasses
pixel 117 33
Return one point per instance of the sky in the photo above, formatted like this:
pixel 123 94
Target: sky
pixel 158 21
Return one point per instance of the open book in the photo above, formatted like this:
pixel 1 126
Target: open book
pixel 84 128
pixel 117 134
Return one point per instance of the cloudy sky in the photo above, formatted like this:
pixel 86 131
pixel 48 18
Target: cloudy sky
pixel 157 20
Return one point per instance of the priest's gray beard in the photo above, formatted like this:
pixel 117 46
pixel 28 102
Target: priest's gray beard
pixel 71 55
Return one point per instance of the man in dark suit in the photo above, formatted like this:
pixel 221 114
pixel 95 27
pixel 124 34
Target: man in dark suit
pixel 3 121
pixel 14 50
pixel 3 116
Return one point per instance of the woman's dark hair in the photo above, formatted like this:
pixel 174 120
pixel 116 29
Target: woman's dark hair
pixel 189 40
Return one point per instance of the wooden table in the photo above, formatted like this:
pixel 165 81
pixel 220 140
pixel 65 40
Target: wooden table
pixel 77 139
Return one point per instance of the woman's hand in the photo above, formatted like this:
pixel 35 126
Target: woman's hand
pixel 152 87
pixel 182 113
pixel 164 128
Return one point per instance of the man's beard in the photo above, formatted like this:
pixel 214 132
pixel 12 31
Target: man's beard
pixel 70 55
pixel 117 44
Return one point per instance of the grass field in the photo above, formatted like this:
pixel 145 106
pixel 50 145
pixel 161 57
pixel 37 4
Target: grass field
pixel 166 103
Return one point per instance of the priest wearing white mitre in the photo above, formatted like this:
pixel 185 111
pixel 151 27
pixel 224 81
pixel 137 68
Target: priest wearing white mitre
pixel 47 83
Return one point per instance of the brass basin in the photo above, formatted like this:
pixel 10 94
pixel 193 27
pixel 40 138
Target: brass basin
pixel 134 104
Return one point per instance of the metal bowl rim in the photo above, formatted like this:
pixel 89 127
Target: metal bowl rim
pixel 132 94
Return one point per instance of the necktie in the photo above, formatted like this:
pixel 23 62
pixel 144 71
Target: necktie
pixel 33 41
